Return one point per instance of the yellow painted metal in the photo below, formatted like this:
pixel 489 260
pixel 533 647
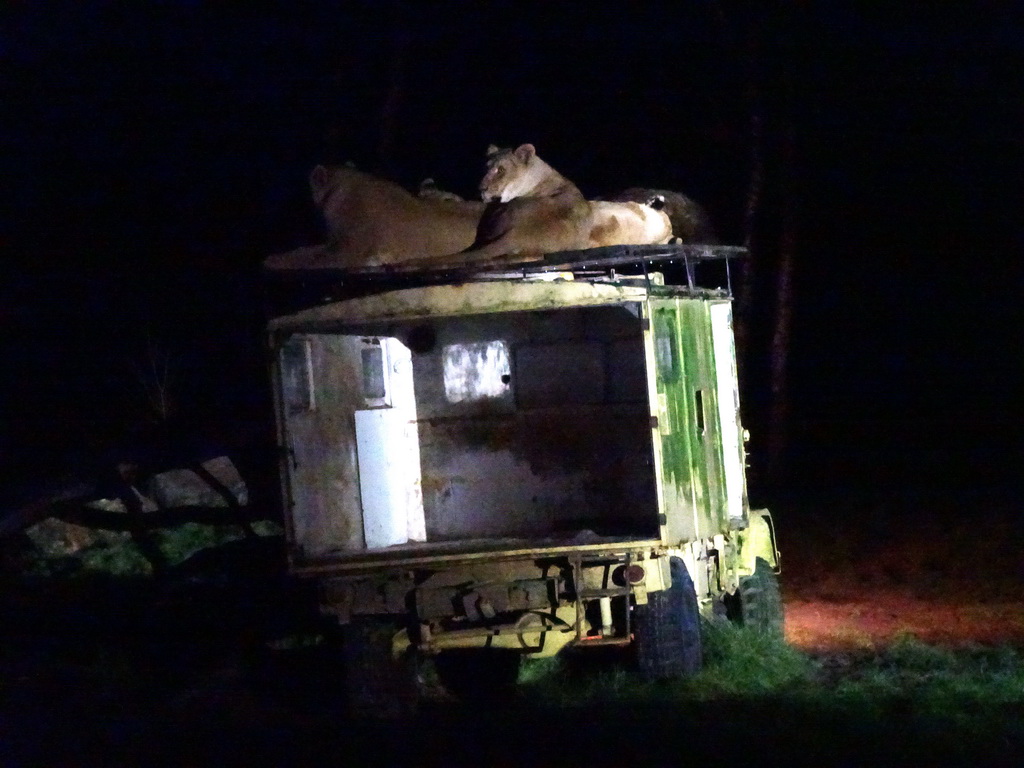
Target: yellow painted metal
pixel 536 633
pixel 758 541
pixel 465 299
pixel 495 551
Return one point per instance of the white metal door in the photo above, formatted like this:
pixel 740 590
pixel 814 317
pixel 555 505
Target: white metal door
pixel 727 385
pixel 388 450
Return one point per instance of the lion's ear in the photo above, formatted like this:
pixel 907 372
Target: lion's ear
pixel 318 178
pixel 492 150
pixel 525 153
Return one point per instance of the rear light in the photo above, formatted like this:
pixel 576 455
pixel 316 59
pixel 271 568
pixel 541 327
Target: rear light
pixel 635 574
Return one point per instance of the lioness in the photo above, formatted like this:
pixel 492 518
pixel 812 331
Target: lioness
pixel 372 221
pixel 533 209
pixel 516 173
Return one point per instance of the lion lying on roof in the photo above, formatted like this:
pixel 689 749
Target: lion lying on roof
pixel 372 222
pixel 532 209
pixel 529 209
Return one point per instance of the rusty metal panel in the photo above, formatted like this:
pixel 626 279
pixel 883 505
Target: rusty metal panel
pixel 571 471
pixel 532 423
pixel 560 449
pixel 320 450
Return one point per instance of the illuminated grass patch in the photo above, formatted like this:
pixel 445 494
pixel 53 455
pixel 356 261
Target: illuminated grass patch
pixel 925 702
pixel 910 676
pixel 737 662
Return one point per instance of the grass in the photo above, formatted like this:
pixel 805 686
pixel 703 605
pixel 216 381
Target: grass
pixel 953 704
pixel 738 663
pixel 742 663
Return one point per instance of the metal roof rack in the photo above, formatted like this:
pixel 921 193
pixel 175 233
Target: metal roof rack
pixel 596 264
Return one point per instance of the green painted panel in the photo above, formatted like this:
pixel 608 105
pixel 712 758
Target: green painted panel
pixel 689 428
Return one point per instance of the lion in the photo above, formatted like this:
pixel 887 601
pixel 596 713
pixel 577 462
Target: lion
pixel 429 189
pixel 520 173
pixel 528 209
pixel 690 222
pixel 630 223
pixel 532 209
pixel 373 222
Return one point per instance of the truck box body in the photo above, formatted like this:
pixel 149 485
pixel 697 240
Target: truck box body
pixel 450 420
pixel 505 458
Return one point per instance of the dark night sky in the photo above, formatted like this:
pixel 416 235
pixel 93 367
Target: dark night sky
pixel 155 153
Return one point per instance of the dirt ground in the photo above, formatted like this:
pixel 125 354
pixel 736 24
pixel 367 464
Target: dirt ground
pixel 943 565
pixel 819 625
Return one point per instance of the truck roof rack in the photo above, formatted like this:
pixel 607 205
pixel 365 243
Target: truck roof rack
pixel 677 262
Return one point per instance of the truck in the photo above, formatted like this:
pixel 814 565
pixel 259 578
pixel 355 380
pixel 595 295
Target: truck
pixel 494 463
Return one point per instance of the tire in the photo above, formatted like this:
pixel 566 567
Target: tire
pixel 758 602
pixel 666 631
pixel 376 684
pixel 478 674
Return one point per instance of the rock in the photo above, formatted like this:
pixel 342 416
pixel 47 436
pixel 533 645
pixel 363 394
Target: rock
pixel 116 505
pixel 184 487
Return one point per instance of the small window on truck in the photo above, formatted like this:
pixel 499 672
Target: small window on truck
pixel 374 383
pixel 665 354
pixel 296 375
pixel 476 371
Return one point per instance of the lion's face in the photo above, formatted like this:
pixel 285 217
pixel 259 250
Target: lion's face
pixel 508 173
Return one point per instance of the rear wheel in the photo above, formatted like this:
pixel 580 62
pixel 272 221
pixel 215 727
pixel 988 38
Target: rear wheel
pixel 666 630
pixel 478 674
pixel 758 602
pixel 377 685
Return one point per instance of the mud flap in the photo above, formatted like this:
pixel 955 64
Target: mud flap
pixel 758 541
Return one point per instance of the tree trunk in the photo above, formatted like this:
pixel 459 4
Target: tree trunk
pixel 748 268
pixel 779 416
pixel 750 31
pixel 779 411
